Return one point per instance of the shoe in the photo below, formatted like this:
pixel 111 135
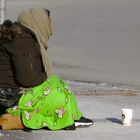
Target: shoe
pixel 27 130
pixel 83 122
pixel 71 127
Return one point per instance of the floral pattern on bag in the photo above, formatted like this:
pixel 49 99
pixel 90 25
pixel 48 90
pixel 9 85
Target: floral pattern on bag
pixel 47 91
pixel 60 112
pixel 59 89
pixel 28 104
pixel 68 89
pixel 27 115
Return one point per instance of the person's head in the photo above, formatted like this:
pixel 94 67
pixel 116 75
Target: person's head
pixel 38 20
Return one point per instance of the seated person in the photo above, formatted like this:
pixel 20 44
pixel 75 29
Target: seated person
pixel 29 92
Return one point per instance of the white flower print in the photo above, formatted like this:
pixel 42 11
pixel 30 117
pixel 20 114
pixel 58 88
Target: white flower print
pixel 49 113
pixel 29 103
pixel 59 89
pixel 60 112
pixel 66 99
pixel 55 123
pixel 47 91
pixel 68 89
pixel 44 124
pixel 27 115
pixel 15 107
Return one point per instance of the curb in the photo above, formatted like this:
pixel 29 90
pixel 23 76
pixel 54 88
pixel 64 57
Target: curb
pixel 101 89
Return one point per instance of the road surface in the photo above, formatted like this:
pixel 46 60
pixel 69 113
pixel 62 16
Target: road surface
pixel 93 40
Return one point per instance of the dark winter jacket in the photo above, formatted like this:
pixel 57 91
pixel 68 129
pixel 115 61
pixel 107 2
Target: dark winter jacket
pixel 20 61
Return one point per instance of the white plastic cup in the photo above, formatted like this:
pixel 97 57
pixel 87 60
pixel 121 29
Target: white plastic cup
pixel 127 115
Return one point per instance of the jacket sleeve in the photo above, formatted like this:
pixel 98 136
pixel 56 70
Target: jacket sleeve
pixel 27 68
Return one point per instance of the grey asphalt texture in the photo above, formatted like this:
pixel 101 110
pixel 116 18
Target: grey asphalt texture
pixel 95 42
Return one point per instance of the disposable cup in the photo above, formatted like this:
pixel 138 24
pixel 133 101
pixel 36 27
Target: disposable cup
pixel 127 115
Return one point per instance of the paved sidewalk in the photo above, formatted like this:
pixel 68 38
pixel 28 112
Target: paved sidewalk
pixel 109 57
pixel 103 104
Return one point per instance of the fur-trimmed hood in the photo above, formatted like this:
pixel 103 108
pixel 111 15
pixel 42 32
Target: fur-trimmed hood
pixel 9 31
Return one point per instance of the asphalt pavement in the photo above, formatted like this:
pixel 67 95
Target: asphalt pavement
pixel 101 103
